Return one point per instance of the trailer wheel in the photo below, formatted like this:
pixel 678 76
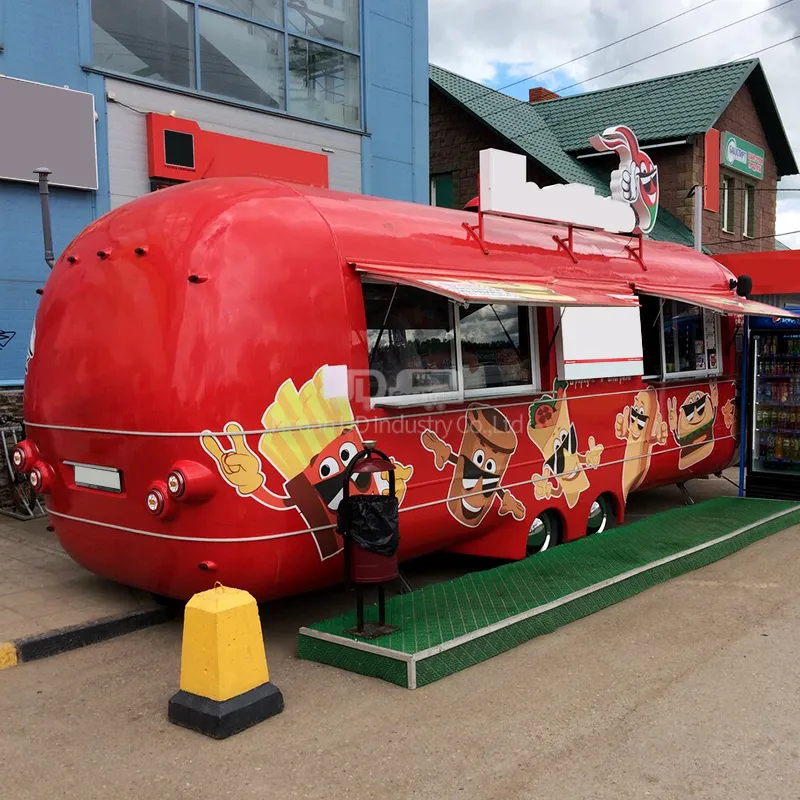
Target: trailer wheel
pixel 545 532
pixel 601 516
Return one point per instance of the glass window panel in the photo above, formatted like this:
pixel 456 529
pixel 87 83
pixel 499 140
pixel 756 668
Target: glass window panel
pixel 333 21
pixel 152 39
pixel 690 338
pixel 411 341
pixel 323 84
pixel 495 346
pixel 241 60
pixel 270 11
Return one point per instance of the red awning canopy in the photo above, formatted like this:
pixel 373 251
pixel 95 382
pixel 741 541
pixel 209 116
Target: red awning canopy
pixel 724 304
pixel 464 287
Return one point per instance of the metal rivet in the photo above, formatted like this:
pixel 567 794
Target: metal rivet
pixel 140 251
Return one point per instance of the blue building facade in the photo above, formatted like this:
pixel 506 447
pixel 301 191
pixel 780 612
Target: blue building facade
pixel 347 78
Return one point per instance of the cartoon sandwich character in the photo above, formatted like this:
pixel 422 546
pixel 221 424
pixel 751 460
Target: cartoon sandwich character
pixel 552 432
pixel 641 426
pixel 479 466
pixel 692 425
pixel 314 440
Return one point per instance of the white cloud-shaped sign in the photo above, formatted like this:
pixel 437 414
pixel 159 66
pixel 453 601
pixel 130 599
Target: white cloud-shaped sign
pixel 505 190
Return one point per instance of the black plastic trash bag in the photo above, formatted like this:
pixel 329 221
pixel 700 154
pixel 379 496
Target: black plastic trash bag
pixel 372 522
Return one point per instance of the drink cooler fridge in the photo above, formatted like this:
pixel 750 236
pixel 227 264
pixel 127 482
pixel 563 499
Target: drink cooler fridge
pixel 773 418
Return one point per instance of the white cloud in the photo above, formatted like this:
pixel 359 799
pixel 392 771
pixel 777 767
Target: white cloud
pixel 487 41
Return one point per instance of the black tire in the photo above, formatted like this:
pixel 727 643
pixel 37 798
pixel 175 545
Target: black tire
pixel 545 533
pixel 601 516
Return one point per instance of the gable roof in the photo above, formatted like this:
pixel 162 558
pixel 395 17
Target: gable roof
pixel 668 108
pixel 526 129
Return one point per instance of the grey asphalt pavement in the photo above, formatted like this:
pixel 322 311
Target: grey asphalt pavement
pixel 688 690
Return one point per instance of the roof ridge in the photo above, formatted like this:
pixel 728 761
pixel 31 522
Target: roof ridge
pixel 752 62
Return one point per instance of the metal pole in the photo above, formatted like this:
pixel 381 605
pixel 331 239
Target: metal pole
pixel 44 196
pixel 698 217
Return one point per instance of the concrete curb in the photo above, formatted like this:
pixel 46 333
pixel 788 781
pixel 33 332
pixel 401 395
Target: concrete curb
pixel 33 648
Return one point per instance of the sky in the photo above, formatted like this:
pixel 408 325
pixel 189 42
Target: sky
pixel 498 42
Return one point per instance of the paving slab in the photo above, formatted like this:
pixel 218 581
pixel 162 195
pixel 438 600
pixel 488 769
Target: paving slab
pixel 46 598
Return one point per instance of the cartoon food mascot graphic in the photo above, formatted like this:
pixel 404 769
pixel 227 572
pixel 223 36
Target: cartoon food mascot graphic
pixel 641 427
pixel 692 425
pixel 311 440
pixel 552 432
pixel 636 180
pixel 480 464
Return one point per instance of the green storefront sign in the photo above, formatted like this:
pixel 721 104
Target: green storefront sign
pixel 742 156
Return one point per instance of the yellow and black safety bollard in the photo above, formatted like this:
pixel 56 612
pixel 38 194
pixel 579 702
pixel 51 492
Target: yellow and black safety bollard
pixel 224 684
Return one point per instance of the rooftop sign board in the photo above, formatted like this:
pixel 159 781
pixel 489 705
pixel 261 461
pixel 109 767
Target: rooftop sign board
pixel 742 156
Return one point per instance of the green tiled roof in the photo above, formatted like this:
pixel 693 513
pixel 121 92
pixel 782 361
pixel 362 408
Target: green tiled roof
pixel 526 129
pixel 671 107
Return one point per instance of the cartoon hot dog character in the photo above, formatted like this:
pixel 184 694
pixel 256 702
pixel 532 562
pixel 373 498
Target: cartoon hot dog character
pixel 315 440
pixel 551 430
pixel 693 425
pixel 641 426
pixel 480 464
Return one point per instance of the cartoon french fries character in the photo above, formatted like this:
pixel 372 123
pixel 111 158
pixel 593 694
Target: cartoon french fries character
pixel 552 432
pixel 641 426
pixel 311 441
pixel 480 464
pixel 693 425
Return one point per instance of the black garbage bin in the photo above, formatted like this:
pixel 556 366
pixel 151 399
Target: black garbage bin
pixel 369 525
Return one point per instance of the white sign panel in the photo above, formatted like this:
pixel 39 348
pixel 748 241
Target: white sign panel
pixel 505 190
pixel 600 343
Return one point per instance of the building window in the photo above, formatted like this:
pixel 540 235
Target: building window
pixel 678 339
pixel 442 193
pixel 728 204
pixel 236 49
pixel 424 344
pixel 749 211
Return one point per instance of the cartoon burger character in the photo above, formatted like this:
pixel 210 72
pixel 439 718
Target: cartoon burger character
pixel 692 425
pixel 310 440
pixel 641 426
pixel 480 464
pixel 552 432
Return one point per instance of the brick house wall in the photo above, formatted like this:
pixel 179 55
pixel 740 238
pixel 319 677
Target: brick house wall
pixel 456 138
pixel 10 414
pixel 741 118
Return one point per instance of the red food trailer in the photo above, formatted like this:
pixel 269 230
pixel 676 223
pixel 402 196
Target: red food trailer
pixel 207 360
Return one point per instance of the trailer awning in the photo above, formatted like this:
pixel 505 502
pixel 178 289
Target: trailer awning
pixel 723 304
pixel 464 287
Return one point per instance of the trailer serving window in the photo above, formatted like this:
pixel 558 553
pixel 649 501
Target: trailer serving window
pixel 421 343
pixel 679 339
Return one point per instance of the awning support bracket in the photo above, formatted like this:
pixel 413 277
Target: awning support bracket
pixel 567 244
pixel 476 232
pixel 638 252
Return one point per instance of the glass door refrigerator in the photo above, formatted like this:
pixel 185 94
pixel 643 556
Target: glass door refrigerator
pixel 773 418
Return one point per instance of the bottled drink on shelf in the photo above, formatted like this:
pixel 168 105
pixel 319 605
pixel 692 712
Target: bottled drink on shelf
pixel 783 422
pixel 770 445
pixel 796 448
pixel 784 392
pixel 759 417
pixel 778 447
pixel 762 446
pixel 793 419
